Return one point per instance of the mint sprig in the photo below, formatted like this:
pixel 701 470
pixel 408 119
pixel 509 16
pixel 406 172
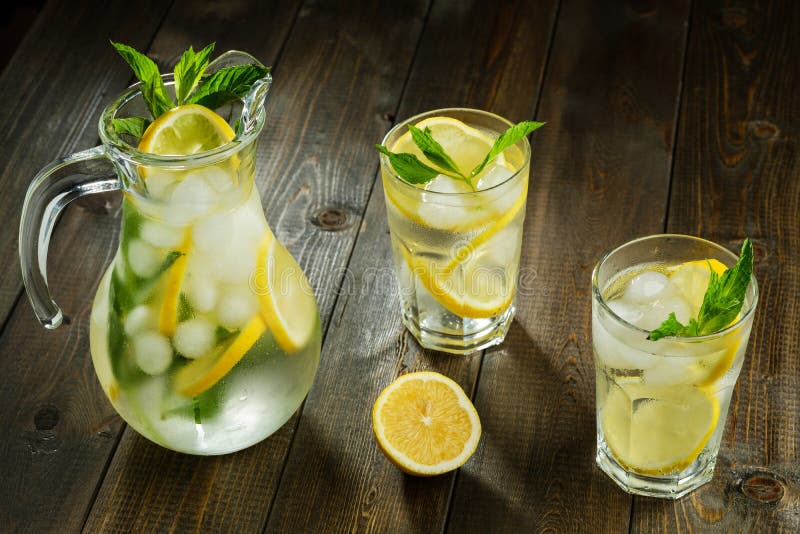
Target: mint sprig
pixel 192 86
pixel 722 301
pixel 409 168
pixel 188 71
pixel 155 94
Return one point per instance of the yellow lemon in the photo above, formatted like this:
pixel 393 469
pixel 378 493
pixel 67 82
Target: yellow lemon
pixel 658 430
pixel 425 424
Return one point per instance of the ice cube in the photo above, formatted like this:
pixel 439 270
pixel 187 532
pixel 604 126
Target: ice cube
pixel 617 350
pixel 660 309
pixel 201 290
pixel 217 178
pixel 194 338
pixel 140 318
pixel 143 258
pixel 646 287
pixel 152 352
pixel 445 212
pixel 160 185
pixel 162 235
pixel 213 232
pixel 627 311
pixel 236 306
pixel 495 175
pixel 192 197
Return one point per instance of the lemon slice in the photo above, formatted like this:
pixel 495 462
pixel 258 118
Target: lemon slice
pixel 168 316
pixel 425 424
pixel 186 130
pixel 287 301
pixel 658 430
pixel 466 145
pixel 201 374
pixel 470 295
pixel 691 278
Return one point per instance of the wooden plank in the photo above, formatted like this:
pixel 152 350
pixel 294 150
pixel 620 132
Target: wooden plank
pixel 600 176
pixel 336 479
pixel 57 436
pixel 737 175
pixel 341 69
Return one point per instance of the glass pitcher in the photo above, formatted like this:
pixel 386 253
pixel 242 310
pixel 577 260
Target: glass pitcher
pixel 204 332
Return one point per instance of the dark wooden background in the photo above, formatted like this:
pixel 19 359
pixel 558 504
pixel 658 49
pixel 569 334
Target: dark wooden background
pixel 674 115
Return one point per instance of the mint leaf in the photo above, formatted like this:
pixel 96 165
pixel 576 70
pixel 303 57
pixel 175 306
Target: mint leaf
pixel 670 327
pixel 506 139
pixel 725 294
pixel 432 149
pixel 722 301
pixel 409 167
pixel 189 70
pixel 134 126
pixel 227 85
pixel 153 89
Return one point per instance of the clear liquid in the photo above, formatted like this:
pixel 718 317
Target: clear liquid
pixel 140 362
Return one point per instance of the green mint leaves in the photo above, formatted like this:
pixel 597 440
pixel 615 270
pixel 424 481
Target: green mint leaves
pixel 409 167
pixel 188 71
pixel 191 86
pixel 153 89
pixel 412 170
pixel 721 304
pixel 507 139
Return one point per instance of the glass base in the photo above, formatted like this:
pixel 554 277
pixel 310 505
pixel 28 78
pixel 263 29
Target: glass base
pixel 492 334
pixel 662 486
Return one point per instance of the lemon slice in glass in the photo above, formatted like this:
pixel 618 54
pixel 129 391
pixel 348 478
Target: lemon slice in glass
pixel 658 430
pixel 467 146
pixel 425 424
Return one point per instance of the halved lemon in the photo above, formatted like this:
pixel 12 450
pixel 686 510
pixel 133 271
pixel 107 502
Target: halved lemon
pixel 287 301
pixel 186 130
pixel 425 424
pixel 658 430
pixel 201 374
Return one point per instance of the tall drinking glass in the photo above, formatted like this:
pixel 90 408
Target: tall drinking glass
pixel 661 405
pixel 457 246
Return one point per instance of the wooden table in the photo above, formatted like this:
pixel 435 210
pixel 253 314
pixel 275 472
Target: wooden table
pixel 672 116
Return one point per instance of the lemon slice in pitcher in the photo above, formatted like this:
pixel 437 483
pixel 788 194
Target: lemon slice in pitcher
pixel 186 130
pixel 658 430
pixel 287 301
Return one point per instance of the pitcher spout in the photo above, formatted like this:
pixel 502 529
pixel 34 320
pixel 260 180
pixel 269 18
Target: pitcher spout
pixel 255 99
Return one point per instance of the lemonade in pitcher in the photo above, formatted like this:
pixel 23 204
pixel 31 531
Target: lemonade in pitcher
pixel 204 331
pixel 455 184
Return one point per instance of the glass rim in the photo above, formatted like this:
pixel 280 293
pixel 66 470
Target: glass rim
pixel 443 111
pixel 112 140
pixel 598 296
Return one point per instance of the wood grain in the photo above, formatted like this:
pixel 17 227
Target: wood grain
pixel 342 66
pixel 736 176
pixel 58 428
pixel 600 176
pixel 336 479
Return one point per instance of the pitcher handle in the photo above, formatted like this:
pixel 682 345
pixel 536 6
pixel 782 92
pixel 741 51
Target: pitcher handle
pixel 55 186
